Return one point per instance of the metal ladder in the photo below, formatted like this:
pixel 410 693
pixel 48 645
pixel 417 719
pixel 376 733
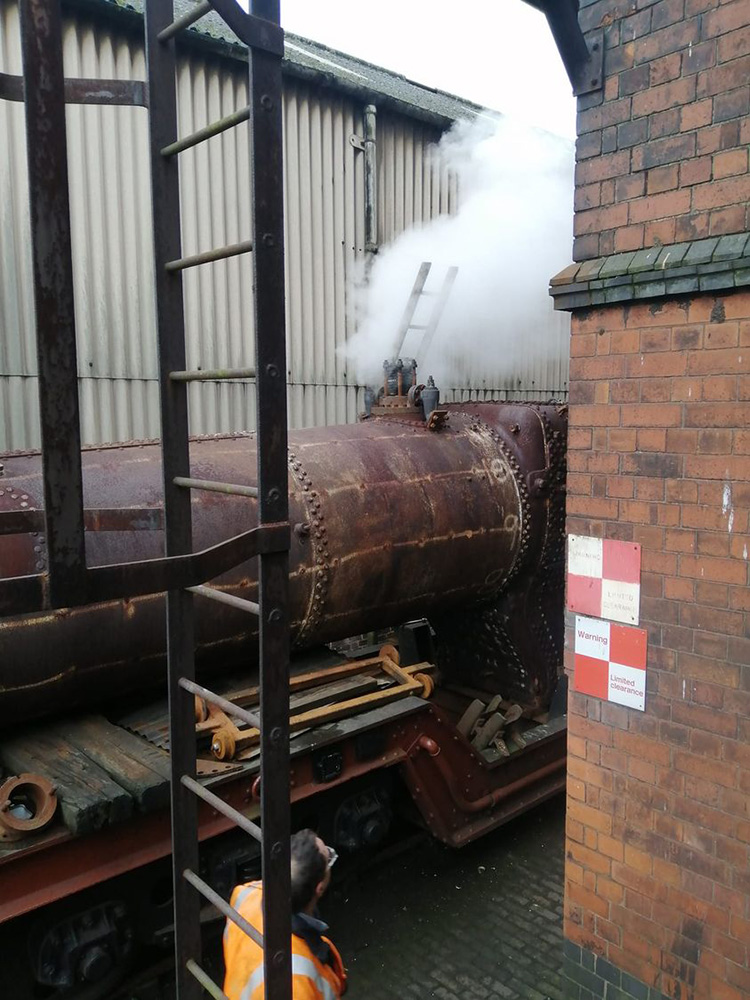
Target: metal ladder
pixel 417 293
pixel 69 581
pixel 260 31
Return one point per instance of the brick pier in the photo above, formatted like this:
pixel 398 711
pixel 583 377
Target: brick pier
pixel 657 899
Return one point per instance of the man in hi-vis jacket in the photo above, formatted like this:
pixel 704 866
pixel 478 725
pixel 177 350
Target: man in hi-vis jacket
pixel 317 970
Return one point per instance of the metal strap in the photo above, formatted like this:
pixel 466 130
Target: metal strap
pixel 83 91
pixel 26 594
pixel 19 522
pixel 255 32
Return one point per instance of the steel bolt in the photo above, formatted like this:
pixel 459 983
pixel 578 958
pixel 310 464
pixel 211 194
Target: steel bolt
pixel 276 734
pixel 272 371
pixel 274 615
pixel 266 103
pixel 276 851
pixel 273 495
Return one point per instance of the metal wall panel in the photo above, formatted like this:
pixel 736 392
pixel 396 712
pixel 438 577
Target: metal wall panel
pixel 534 374
pixel 110 206
pixel 413 187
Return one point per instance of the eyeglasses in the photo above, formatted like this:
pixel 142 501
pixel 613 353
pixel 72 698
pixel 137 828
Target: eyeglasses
pixel 332 856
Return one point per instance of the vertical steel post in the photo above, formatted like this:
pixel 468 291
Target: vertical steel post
pixel 165 193
pixel 46 150
pixel 273 502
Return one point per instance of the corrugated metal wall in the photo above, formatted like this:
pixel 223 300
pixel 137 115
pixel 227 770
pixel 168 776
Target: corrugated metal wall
pixel 109 187
pixel 412 186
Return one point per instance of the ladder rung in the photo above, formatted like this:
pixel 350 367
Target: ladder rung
pixel 213 487
pixel 223 807
pixel 205 980
pixel 233 250
pixel 223 703
pixel 180 23
pixel 417 326
pixel 212 375
pixel 229 911
pixel 208 132
pixel 223 598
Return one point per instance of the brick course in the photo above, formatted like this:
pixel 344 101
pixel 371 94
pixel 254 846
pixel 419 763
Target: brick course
pixel 677 96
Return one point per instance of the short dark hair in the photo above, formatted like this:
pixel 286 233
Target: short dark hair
pixel 308 868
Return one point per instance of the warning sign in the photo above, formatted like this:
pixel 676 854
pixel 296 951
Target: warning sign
pixel 610 662
pixel 604 578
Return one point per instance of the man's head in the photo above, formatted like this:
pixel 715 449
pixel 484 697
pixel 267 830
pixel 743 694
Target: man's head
pixel 310 870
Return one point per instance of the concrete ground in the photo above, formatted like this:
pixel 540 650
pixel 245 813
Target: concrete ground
pixel 484 923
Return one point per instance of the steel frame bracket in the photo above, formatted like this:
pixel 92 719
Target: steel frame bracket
pixel 84 91
pixel 584 62
pixel 588 76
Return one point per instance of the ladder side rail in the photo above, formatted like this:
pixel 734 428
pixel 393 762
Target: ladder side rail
pixel 165 192
pixel 436 315
pixel 273 501
pixel 46 144
pixel 411 306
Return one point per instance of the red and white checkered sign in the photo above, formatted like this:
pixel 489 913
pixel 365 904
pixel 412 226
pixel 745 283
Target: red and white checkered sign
pixel 604 578
pixel 610 662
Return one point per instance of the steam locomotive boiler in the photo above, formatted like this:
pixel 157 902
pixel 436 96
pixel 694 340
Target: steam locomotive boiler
pixel 442 535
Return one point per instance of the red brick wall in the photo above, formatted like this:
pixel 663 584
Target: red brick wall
pixel 663 151
pixel 658 852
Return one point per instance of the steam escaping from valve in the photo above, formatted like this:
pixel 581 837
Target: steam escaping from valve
pixel 511 233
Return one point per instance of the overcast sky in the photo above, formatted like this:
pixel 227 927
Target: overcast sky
pixel 498 53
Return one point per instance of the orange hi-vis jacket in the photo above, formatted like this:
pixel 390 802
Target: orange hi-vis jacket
pixel 311 978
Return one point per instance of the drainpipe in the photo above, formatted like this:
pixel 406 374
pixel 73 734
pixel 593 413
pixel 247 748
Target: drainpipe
pixel 371 180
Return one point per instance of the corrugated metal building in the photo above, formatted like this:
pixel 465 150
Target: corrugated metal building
pixel 327 230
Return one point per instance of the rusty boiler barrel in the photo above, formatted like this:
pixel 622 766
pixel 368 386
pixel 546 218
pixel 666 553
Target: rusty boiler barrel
pixel 389 521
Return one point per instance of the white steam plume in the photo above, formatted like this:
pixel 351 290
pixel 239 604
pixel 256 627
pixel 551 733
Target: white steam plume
pixel 512 232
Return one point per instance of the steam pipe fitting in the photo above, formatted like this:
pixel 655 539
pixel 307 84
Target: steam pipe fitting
pixel 429 745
